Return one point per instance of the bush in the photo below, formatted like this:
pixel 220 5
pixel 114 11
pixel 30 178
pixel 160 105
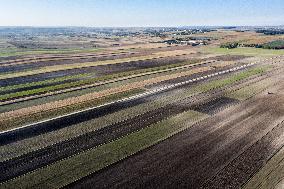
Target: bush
pixel 278 44
pixel 230 45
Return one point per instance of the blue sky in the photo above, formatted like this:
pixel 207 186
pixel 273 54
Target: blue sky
pixel 140 12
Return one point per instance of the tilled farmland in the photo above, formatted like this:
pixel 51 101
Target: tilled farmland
pixel 203 156
pixel 139 117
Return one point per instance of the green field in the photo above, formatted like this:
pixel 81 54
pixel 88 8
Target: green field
pixel 194 108
pixel 12 123
pixel 87 81
pixel 128 113
pixel 73 168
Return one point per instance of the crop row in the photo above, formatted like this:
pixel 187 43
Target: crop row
pixel 80 165
pixel 120 76
pixel 16 52
pixel 9 123
pixel 271 175
pixel 57 58
pixel 102 136
pixel 68 170
pixel 56 68
pixel 84 90
pixel 44 82
pixel 221 83
pixel 65 133
pixel 251 90
pixel 95 95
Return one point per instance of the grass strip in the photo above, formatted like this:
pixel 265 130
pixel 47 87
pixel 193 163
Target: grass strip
pixel 41 141
pixel 55 68
pixel 87 81
pixel 197 89
pixel 235 78
pixel 95 95
pixel 61 96
pixel 75 167
pixel 49 81
pixel 249 91
pixel 10 123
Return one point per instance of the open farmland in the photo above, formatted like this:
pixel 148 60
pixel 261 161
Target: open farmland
pixel 143 113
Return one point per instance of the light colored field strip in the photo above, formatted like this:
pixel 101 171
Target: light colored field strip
pixel 92 96
pixel 5 115
pixel 270 175
pixel 56 68
pixel 98 84
pixel 68 170
pixel 35 60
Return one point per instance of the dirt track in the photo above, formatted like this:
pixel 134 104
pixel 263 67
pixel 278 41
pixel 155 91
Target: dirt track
pixel 211 148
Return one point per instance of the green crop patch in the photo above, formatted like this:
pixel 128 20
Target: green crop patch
pixel 165 99
pixel 12 123
pixel 62 67
pixel 38 83
pixel 232 79
pixel 249 91
pixel 42 90
pixel 73 168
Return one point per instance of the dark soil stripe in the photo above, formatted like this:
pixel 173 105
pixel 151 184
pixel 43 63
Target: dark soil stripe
pixel 215 105
pixel 22 164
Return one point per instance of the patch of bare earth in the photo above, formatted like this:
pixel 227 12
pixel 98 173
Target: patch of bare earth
pixel 222 151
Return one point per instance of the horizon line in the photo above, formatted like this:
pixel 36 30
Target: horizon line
pixel 77 26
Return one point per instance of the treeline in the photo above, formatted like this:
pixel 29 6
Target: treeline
pixel 271 32
pixel 278 44
pixel 230 45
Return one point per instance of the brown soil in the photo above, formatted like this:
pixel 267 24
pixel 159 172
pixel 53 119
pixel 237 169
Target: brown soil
pixel 206 155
